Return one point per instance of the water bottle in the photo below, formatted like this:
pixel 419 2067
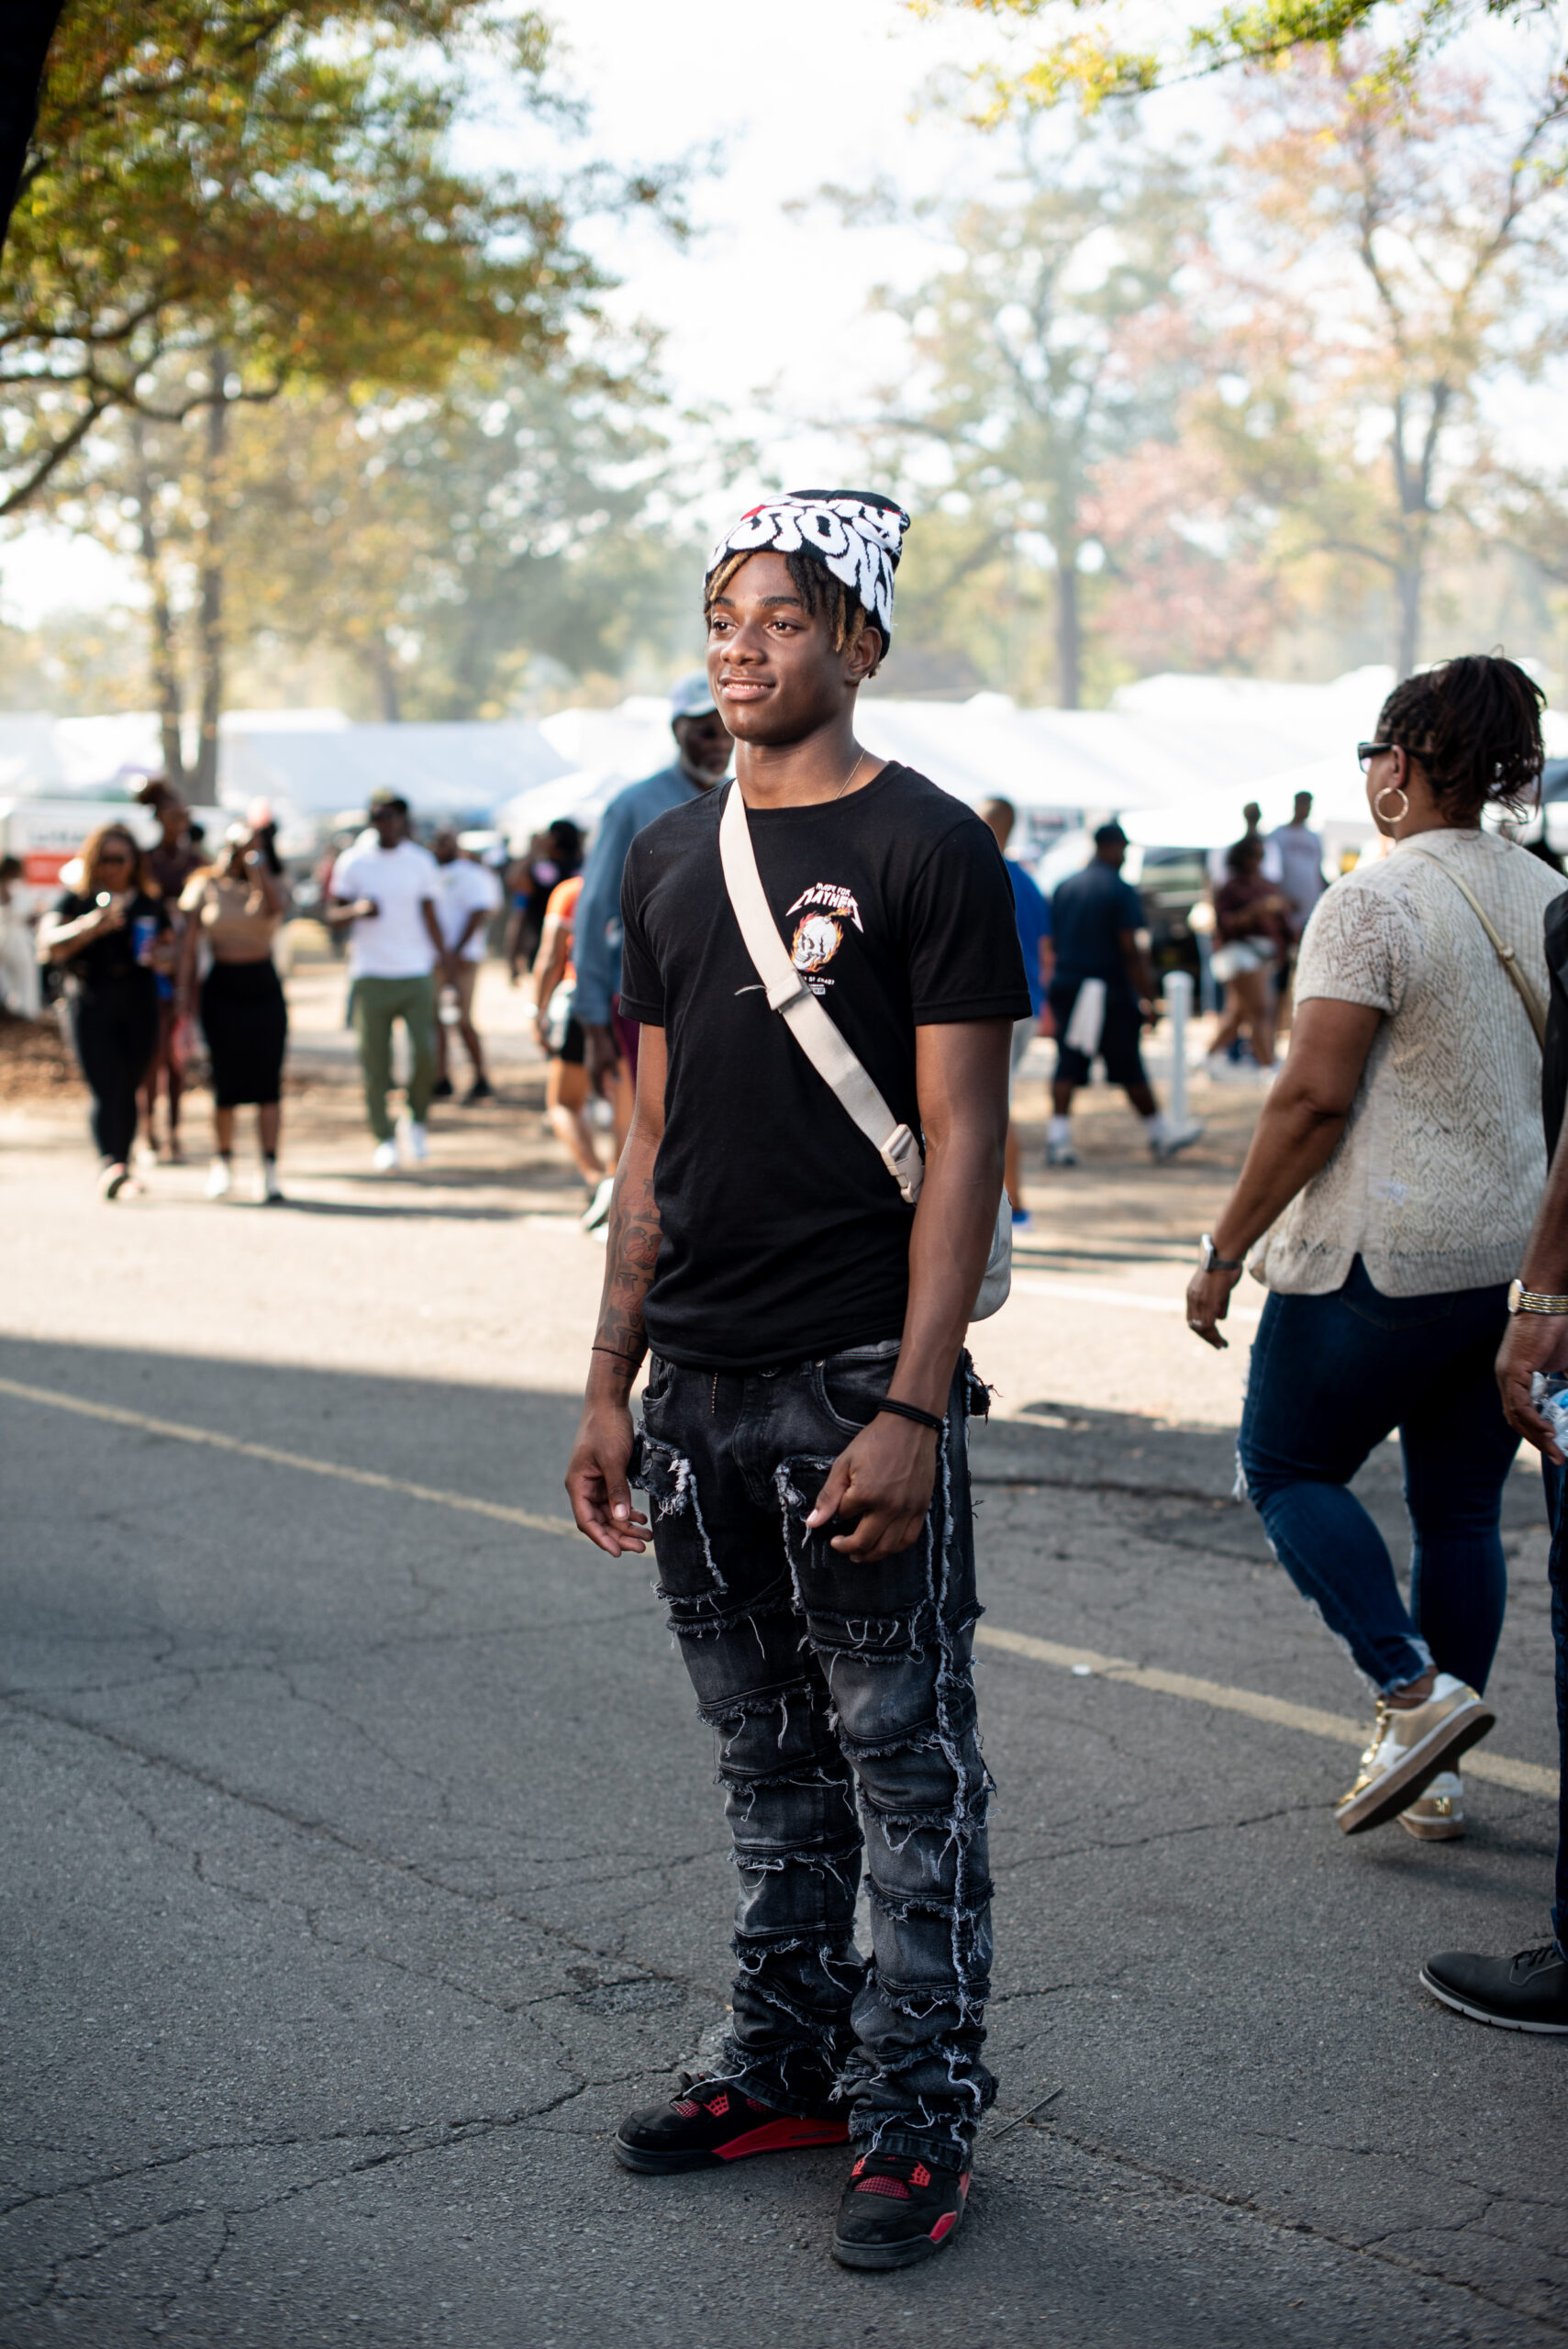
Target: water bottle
pixel 1549 1393
pixel 143 930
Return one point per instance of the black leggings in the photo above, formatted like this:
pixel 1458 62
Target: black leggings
pixel 115 1029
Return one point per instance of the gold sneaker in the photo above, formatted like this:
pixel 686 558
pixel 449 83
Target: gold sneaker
pixel 1438 1815
pixel 1410 1749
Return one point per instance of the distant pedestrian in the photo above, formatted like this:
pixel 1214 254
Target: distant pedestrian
pixel 19 989
pixel 1300 854
pixel 1033 911
pixel 1252 927
pixel 1102 996
pixel 385 890
pixel 560 1034
pixel 1251 830
pixel 469 899
pixel 169 861
pixel 233 910
pixel 104 934
pixel 703 746
pixel 553 856
pixel 1388 1194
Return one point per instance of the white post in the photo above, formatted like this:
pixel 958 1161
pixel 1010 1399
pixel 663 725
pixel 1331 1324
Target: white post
pixel 1179 1004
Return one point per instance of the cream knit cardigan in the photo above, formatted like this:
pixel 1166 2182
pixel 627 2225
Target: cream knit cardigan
pixel 1435 1181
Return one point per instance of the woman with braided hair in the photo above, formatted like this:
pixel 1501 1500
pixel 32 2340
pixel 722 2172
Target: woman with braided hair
pixel 1386 1201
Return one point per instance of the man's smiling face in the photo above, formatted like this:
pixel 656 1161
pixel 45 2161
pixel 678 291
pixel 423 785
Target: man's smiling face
pixel 775 673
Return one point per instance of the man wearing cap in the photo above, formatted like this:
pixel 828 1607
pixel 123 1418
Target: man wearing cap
pixel 385 892
pixel 1102 995
pixel 803 1300
pixel 703 747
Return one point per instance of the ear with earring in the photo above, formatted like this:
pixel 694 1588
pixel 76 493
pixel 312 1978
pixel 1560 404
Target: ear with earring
pixel 1392 791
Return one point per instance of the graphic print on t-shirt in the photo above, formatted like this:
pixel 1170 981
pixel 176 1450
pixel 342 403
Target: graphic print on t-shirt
pixel 819 935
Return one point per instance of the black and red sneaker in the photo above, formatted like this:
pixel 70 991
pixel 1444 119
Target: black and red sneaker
pixel 712 2122
pixel 897 2210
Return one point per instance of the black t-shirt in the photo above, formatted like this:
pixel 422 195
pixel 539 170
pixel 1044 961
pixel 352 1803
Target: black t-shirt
pixel 111 959
pixel 785 1235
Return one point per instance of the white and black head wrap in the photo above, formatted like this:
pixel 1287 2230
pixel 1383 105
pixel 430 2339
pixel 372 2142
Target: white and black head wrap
pixel 855 535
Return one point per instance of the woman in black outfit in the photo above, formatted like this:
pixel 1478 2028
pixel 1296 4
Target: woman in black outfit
pixel 108 935
pixel 234 909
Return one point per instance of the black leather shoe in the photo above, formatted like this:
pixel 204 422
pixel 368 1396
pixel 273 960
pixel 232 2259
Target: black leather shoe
pixel 1529 1992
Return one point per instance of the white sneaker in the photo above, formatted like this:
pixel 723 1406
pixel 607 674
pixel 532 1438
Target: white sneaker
pixel 416 1140
pixel 1218 1069
pixel 1163 1147
pixel 1060 1154
pixel 383 1158
pixel 598 1207
pixel 1410 1749
pixel 268 1190
pixel 218 1179
pixel 1438 1815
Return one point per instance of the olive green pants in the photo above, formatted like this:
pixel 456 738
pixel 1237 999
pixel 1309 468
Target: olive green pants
pixel 377 1003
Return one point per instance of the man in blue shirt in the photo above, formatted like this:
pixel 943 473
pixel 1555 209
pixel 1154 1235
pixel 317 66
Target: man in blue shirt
pixel 1032 912
pixel 703 747
pixel 1099 934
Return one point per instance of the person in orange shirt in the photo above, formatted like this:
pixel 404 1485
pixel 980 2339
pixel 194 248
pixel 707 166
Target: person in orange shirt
pixel 559 1033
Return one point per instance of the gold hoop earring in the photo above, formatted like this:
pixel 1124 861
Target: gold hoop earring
pixel 1381 812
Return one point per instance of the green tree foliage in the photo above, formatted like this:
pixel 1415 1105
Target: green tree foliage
pixel 1083 55
pixel 1054 343
pixel 268 181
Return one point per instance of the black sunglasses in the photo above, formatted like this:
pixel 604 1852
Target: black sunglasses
pixel 1369 750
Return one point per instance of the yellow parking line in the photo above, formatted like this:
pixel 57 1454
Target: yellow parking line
pixel 179 1433
pixel 1525 1778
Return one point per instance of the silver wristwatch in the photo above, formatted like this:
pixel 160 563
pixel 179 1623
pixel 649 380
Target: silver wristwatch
pixel 1534 1300
pixel 1211 1260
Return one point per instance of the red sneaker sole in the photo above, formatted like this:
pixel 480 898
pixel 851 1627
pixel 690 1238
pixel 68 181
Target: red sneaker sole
pixel 784 2136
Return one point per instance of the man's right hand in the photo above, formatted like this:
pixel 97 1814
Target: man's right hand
pixel 600 1055
pixel 595 1480
pixel 1534 1341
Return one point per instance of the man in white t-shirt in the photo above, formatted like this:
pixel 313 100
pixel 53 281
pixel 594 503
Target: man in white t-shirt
pixel 385 892
pixel 470 895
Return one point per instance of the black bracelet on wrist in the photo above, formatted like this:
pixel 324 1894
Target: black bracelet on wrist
pixel 912 1411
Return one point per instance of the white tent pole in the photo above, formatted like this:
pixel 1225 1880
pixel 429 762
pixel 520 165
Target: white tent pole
pixel 1179 1002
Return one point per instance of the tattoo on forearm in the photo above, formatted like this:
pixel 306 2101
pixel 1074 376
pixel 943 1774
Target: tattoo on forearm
pixel 632 1253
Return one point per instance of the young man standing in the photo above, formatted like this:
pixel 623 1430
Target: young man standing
pixel 384 890
pixel 469 897
pixel 804 1440
pixel 1099 934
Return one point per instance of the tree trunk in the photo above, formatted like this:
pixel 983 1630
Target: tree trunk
pixel 1069 629
pixel 163 657
pixel 383 676
pixel 1409 580
pixel 209 606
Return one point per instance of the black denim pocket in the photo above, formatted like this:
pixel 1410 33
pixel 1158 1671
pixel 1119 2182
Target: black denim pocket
pixel 850 1385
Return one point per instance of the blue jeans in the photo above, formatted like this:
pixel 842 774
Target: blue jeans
pixel 1330 1377
pixel 826 1680
pixel 1556 1481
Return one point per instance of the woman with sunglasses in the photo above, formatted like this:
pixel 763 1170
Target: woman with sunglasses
pixel 109 935
pixel 1384 1204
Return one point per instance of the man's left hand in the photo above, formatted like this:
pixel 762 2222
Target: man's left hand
pixel 884 1481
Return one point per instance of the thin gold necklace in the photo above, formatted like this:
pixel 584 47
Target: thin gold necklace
pixel 849 778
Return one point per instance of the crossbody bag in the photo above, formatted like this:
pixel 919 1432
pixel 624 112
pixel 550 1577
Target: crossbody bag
pixel 1506 954
pixel 824 1045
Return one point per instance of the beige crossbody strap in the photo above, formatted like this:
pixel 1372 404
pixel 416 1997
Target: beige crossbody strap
pixel 1505 954
pixel 824 1046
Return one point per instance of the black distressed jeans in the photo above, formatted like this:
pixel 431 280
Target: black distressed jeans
pixel 826 1681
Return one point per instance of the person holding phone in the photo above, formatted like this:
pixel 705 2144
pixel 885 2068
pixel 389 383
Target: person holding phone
pixel 234 909
pixel 108 934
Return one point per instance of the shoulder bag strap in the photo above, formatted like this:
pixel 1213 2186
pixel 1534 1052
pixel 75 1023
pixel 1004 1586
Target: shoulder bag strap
pixel 1506 954
pixel 824 1045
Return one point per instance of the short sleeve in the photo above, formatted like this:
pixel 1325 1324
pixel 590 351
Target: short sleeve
pixel 965 962
pixel 1355 949
pixel 641 982
pixel 561 902
pixel 1134 916
pixel 345 876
